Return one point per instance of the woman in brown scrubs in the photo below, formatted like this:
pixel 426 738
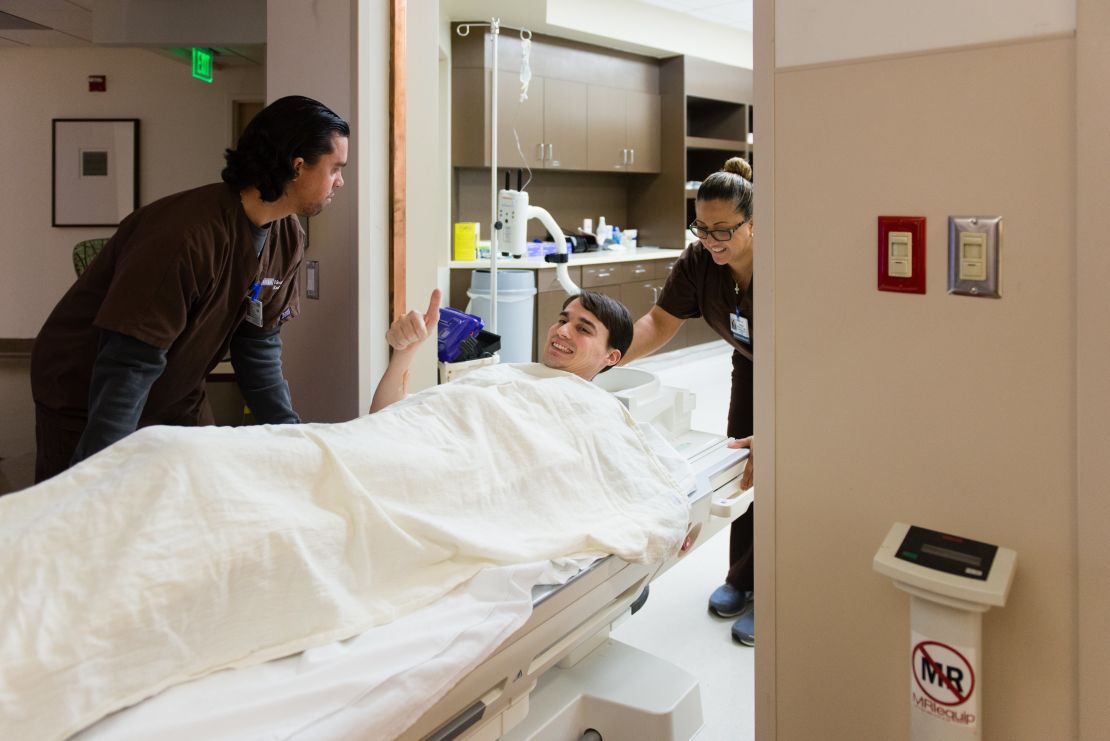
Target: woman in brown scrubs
pixel 713 280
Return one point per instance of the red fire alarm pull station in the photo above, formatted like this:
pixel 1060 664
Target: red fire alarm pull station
pixel 902 254
pixel 98 83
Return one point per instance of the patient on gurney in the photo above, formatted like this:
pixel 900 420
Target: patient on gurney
pixel 591 334
pixel 178 552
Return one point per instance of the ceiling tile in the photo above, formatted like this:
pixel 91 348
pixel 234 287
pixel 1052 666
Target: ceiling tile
pixel 733 13
pixel 44 38
pixel 727 14
pixel 61 15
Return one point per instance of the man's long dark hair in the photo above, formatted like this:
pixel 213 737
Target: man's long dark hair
pixel 290 127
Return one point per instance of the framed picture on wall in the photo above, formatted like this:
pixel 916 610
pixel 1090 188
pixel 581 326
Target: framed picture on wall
pixel 96 171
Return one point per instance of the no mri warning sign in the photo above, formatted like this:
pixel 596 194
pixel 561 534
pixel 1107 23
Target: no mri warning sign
pixel 944 681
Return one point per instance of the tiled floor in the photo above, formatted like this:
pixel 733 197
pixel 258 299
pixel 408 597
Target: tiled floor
pixel 674 624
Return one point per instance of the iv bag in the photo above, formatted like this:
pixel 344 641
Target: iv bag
pixel 525 68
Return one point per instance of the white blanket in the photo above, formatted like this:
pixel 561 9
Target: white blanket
pixel 178 552
pixel 372 686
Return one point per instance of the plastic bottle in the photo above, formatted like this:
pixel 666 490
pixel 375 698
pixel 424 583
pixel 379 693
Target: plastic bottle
pixel 603 232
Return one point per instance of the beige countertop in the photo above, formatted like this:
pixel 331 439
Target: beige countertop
pixel 578 258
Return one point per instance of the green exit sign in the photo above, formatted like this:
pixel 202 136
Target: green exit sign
pixel 202 64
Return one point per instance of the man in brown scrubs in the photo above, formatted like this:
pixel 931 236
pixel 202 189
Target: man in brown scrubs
pixel 183 281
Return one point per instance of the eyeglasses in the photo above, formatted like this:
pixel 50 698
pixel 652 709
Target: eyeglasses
pixel 720 235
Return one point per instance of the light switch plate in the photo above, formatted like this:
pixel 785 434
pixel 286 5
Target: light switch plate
pixel 312 279
pixel 896 273
pixel 974 249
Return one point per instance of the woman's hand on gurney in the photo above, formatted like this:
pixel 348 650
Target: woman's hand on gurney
pixel 413 328
pixel 748 477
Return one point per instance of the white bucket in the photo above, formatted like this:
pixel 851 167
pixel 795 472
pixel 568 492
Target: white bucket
pixel 515 292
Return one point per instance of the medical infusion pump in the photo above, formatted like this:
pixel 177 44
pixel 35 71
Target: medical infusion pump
pixel 948 565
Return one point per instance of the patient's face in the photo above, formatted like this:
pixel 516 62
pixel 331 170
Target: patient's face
pixel 578 343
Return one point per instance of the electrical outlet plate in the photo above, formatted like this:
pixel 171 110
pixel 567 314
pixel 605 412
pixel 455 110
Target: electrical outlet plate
pixel 895 273
pixel 312 279
pixel 974 244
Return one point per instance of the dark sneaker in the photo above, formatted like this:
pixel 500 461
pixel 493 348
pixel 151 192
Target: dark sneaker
pixel 728 601
pixel 743 630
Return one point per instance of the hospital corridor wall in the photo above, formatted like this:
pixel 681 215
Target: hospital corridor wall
pixel 970 415
pixel 185 125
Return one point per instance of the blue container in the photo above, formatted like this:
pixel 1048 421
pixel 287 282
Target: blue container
pixel 454 327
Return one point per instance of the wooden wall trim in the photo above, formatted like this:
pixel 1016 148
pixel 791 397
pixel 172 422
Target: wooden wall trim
pixel 11 347
pixel 397 96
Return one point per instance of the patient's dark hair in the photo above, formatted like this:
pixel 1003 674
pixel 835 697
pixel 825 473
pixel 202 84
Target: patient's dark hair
pixel 290 127
pixel 612 314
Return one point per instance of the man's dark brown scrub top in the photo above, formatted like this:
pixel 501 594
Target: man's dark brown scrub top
pixel 176 275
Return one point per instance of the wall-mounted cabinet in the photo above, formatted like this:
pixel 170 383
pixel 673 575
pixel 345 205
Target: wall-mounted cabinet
pixel 705 119
pixel 548 125
pixel 566 138
pixel 592 110
pixel 623 130
pixel 588 109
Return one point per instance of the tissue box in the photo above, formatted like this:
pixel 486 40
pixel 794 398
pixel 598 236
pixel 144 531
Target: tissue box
pixel 466 240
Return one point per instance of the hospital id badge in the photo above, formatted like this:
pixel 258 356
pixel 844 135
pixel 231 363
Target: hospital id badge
pixel 739 327
pixel 254 312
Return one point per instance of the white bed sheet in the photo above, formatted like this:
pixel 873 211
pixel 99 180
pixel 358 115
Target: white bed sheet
pixel 374 685
pixel 179 552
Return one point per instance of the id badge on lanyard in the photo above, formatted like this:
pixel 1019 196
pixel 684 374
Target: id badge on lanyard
pixel 254 306
pixel 740 329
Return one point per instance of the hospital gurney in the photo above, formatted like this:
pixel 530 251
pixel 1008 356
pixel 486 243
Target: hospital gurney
pixel 568 626
pixel 560 674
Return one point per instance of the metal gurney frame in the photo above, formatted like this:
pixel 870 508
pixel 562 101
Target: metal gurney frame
pixel 570 621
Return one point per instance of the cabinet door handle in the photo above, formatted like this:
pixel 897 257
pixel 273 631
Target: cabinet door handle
pixel 624 156
pixel 631 156
pixel 639 271
pixel 654 294
pixel 551 152
pixel 539 152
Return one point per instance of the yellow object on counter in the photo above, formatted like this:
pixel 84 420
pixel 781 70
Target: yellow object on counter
pixel 466 240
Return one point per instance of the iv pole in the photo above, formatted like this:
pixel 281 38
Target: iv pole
pixel 518 209
pixel 463 29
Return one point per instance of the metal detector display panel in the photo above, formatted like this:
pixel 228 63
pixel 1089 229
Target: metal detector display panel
pixel 948 553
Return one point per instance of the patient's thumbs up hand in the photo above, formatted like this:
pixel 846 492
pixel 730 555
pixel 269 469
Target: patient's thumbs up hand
pixel 413 328
pixel 431 317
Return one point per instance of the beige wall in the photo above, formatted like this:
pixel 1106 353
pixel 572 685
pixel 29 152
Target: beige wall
pixel 946 411
pixel 337 52
pixel 185 125
pixel 816 31
pixel 1040 134
pixel 1093 362
pixel 429 173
